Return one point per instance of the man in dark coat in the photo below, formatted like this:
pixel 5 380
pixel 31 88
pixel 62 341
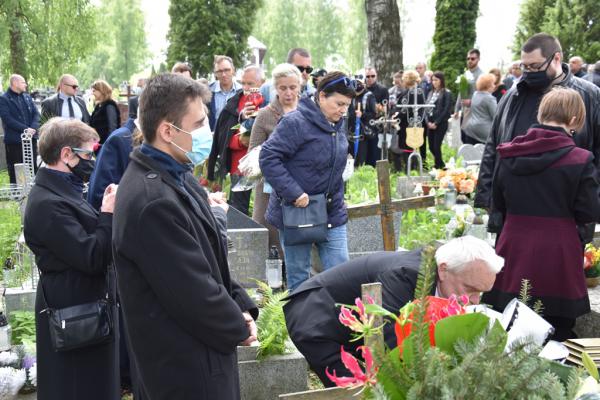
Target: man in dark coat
pixel 466 265
pixel 183 312
pixel 542 65
pixel 594 76
pixel 65 103
pixel 18 113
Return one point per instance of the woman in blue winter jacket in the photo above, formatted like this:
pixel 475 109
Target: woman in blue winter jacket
pixel 297 161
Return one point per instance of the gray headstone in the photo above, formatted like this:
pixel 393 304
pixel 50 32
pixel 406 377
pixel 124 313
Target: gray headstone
pixel 406 185
pixel 250 248
pixel 267 379
pixel 470 154
pixel 587 325
pixel 18 299
pixel 365 236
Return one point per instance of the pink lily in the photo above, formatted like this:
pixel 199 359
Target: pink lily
pixel 360 324
pixel 359 377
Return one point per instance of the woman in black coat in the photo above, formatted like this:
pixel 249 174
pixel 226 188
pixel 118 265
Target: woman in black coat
pixel 545 187
pixel 437 118
pixel 72 246
pixel 106 116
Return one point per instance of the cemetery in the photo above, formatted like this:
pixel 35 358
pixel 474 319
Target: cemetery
pixel 391 213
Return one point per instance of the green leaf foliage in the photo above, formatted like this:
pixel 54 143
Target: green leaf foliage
pixel 41 40
pixel 22 325
pixel 10 228
pixel 531 18
pixel 201 29
pixel 454 36
pixel 272 331
pixel 466 327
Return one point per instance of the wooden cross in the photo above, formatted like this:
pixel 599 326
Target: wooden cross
pixel 387 207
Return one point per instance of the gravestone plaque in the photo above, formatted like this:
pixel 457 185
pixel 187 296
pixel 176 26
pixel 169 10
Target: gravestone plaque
pixel 268 378
pixel 250 242
pixel 364 234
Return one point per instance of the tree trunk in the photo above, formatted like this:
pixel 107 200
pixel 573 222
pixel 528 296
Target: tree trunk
pixel 17 50
pixel 385 40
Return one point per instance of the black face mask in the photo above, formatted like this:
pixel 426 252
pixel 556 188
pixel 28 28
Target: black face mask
pixel 538 80
pixel 83 169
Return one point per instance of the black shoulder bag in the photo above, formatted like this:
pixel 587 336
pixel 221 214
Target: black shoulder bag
pixel 303 225
pixel 83 325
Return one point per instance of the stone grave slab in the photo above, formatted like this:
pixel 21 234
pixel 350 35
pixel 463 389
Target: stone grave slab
pixel 250 248
pixel 267 379
pixel 470 154
pixel 364 234
pixel 588 325
pixel 19 299
pixel 406 185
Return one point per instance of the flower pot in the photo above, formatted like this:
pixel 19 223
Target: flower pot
pixel 427 186
pixel 593 281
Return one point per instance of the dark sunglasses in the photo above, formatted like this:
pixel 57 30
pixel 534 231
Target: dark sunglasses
pixel 349 83
pixel 73 86
pixel 471 58
pixel 371 76
pixel 308 69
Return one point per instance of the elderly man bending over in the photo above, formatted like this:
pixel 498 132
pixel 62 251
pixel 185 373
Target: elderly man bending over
pixel 465 266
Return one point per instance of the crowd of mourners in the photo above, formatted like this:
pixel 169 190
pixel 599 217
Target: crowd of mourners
pixel 131 242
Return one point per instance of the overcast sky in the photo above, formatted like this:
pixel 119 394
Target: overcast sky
pixel 495 29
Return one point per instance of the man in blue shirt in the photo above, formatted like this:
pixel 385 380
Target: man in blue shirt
pixel 18 114
pixel 223 88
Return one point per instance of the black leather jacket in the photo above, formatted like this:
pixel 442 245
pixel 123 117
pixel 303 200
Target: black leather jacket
pixel 503 127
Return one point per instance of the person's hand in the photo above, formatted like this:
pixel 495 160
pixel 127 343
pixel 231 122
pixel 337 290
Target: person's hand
pixel 358 114
pixel 251 329
pixel 466 103
pixel 215 187
pixel 108 200
pixel 245 140
pixel 431 125
pixel 249 110
pixel 30 131
pixel 301 201
pixel 455 115
pixel 218 199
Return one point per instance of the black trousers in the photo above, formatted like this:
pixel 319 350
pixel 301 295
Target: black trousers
pixel 239 200
pixel 14 155
pixel 469 140
pixel 435 138
pixel 563 328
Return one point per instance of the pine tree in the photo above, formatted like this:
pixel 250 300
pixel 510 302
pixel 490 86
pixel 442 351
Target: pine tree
pixel 202 29
pixel 454 36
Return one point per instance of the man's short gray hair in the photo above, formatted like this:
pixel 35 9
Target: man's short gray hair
pixel 14 78
pixel 297 50
pixel 260 74
pixel 286 70
pixel 459 252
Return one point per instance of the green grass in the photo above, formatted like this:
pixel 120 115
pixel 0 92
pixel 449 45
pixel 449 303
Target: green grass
pixel 4 178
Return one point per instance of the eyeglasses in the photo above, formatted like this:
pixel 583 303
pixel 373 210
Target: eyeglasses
pixel 371 76
pixel 349 83
pixel 89 154
pixel 222 71
pixel 471 58
pixel 534 67
pixel 308 69
pixel 73 86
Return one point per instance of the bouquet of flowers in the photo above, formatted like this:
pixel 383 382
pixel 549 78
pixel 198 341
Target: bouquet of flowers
pixel 446 352
pixel 463 179
pixel 591 265
pixel 250 169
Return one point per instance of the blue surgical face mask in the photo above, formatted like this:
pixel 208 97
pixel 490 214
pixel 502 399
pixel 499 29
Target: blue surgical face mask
pixel 202 139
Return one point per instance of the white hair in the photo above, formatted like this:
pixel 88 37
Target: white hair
pixel 260 74
pixel 286 70
pixel 459 252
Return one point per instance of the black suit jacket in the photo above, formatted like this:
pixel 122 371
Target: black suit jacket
pixel 182 310
pixel 71 243
pixel 52 107
pixel 312 315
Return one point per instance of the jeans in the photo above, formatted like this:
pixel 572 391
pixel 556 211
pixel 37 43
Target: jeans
pixel 298 257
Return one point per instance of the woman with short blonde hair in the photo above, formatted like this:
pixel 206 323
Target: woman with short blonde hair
pixel 545 188
pixel 106 117
pixel 483 108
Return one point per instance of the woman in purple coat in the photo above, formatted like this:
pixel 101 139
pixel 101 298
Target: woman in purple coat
pixel 545 187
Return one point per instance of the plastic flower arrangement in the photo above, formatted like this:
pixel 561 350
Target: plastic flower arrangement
pixel 463 179
pixel 591 261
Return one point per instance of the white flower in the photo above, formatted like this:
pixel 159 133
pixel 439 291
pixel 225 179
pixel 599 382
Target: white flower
pixel 8 358
pixel 11 381
pixel 32 373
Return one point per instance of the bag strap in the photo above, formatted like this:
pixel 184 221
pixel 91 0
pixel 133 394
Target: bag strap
pixel 108 294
